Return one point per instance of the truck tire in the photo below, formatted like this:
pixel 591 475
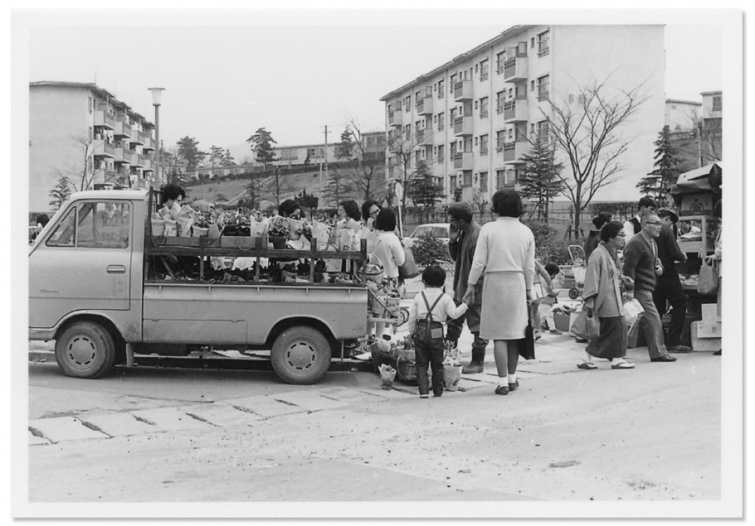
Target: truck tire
pixel 301 355
pixel 85 349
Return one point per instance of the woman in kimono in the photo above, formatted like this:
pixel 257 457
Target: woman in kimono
pixel 602 295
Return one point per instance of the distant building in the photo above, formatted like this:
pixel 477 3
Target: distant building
pixel 711 132
pixel 470 119
pixel 681 115
pixel 374 142
pixel 81 130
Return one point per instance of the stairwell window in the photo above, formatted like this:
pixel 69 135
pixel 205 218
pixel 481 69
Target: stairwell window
pixel 483 107
pixel 484 70
pixel 441 89
pixel 542 87
pixel 483 144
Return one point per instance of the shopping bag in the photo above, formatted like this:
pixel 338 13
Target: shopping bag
pixel 527 344
pixel 708 280
pixel 586 326
pixel 451 375
pixel 409 269
pixel 387 375
pixel 633 311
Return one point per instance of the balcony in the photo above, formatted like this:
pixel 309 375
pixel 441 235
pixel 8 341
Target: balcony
pixel 515 70
pixel 395 118
pixel 137 137
pixel 103 149
pixel 425 106
pixel 463 90
pixel 104 175
pixel 513 151
pixel 122 129
pixel 515 111
pixel 147 163
pixel 463 161
pixel 424 137
pixel 148 144
pixel 462 126
pixel 137 161
pixel 103 119
pixel 123 155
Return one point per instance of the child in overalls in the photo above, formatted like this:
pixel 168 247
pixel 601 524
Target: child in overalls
pixel 429 311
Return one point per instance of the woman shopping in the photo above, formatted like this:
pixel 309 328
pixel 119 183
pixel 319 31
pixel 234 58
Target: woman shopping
pixel 602 295
pixel 505 253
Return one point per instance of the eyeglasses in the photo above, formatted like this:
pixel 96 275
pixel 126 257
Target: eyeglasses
pixel 374 212
pixel 656 223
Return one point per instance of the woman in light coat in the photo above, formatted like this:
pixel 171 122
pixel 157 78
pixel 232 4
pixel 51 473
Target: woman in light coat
pixel 602 295
pixel 505 253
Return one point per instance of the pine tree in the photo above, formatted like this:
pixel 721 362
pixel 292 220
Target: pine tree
pixel 541 179
pixel 61 192
pixel 666 164
pixel 262 143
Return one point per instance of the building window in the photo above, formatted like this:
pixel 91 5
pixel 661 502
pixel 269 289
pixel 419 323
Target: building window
pixel 500 58
pixel 407 102
pixel 532 42
pixel 441 157
pixel 500 179
pixel 500 98
pixel 441 121
pixel 452 182
pixel 484 181
pixel 467 179
pixel 407 132
pixel 483 107
pixel 717 103
pixel 483 144
pixel 542 87
pixel 441 90
pixel 532 85
pixel 484 70
pixel 543 40
pixel 453 149
pixel 542 132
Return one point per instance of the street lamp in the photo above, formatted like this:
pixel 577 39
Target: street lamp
pixel 156 95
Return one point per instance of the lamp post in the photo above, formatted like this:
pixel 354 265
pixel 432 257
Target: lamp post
pixel 156 95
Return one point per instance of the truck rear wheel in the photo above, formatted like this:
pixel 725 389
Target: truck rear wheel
pixel 301 355
pixel 85 350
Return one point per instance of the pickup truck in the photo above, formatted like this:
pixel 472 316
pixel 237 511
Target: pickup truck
pixel 94 290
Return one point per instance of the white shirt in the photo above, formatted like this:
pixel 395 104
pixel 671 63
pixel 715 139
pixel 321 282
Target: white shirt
pixel 390 252
pixel 629 228
pixel 445 309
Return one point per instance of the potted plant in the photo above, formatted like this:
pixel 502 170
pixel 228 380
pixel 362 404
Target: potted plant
pixel 278 231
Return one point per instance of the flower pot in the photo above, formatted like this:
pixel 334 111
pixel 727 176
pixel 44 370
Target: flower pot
pixel 200 231
pixel 279 242
pixel 170 228
pixel 158 227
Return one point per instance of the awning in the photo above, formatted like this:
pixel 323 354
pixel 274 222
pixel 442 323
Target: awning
pixel 706 178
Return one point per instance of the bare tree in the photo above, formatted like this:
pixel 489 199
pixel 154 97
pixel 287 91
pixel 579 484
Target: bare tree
pixel 361 162
pixel 587 133
pixel 85 170
pixel 276 185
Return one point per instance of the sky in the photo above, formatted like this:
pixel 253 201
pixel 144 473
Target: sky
pixel 225 78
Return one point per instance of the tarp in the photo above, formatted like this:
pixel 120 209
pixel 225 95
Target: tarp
pixel 706 178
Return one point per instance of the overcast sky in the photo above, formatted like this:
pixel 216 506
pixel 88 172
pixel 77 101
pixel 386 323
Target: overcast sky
pixel 222 82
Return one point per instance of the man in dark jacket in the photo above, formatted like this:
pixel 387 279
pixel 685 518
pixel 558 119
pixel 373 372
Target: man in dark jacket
pixel 641 263
pixel 461 246
pixel 668 287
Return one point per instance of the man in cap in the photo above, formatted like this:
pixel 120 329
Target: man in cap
pixel 633 226
pixel 668 288
pixel 642 265
pixel 461 246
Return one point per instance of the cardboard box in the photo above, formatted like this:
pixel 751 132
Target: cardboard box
pixel 708 330
pixel 710 313
pixel 703 344
pixel 561 321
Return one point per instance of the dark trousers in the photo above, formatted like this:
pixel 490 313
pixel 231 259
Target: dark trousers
pixel 429 353
pixel 669 289
pixel 472 317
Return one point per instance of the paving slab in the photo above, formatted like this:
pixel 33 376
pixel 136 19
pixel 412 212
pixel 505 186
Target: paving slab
pixel 222 414
pixel 170 419
pixel 119 424
pixel 398 391
pixel 37 441
pixel 309 400
pixel 351 396
pixel 64 428
pixel 265 406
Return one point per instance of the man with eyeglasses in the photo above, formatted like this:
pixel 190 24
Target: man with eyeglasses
pixel 642 265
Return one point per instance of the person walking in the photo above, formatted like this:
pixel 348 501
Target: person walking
pixel 668 288
pixel 389 251
pixel 642 265
pixel 593 237
pixel 505 253
pixel 632 227
pixel 461 246
pixel 602 296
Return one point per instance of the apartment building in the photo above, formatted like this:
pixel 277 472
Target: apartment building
pixel 711 132
pixel 81 130
pixel 682 115
pixel 471 119
pixel 372 142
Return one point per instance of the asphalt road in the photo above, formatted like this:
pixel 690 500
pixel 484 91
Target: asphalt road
pixel 160 435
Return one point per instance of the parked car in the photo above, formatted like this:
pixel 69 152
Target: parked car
pixel 437 230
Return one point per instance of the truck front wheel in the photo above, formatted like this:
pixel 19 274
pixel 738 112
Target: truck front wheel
pixel 85 350
pixel 301 355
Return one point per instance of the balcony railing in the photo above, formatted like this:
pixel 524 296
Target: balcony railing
pixel 102 118
pixel 147 142
pixel 395 118
pixel 513 151
pixel 122 129
pixel 101 148
pixel 123 155
pixel 515 111
pixel 137 137
pixel 425 106
pixel 424 137
pixel 463 126
pixel 462 90
pixel 515 69
pixel 463 161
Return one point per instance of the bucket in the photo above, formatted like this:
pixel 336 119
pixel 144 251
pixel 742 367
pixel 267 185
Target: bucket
pixel 158 227
pixel 279 242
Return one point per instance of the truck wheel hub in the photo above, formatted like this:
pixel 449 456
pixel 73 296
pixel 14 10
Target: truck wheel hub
pixel 81 351
pixel 300 355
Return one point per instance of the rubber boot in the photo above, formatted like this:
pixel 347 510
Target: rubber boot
pixel 478 362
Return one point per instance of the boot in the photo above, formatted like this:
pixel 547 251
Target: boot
pixel 478 362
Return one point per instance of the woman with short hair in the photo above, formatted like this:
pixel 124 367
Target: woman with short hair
pixel 602 296
pixel 505 254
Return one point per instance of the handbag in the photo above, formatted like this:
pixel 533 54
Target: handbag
pixel 409 269
pixel 708 280
pixel 586 326
pixel 527 344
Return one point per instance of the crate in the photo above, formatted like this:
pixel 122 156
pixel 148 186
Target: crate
pixel 703 343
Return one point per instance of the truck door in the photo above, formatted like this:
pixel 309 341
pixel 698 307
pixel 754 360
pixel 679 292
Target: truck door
pixel 84 262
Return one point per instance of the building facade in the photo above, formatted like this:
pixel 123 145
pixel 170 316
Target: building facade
pixel 372 143
pixel 472 119
pixel 711 132
pixel 83 132
pixel 682 115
